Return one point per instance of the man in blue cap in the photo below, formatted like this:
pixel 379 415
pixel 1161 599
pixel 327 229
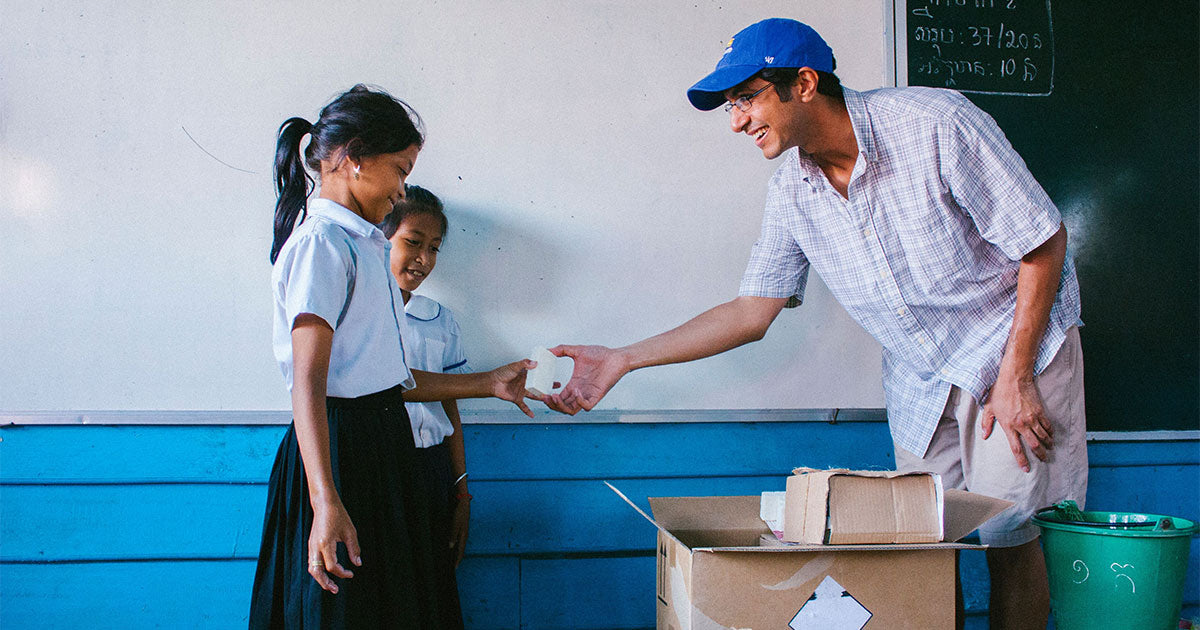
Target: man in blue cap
pixel 931 232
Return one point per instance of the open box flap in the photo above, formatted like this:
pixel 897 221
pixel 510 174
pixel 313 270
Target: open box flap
pixel 632 504
pixel 717 521
pixel 717 513
pixel 966 511
pixel 643 513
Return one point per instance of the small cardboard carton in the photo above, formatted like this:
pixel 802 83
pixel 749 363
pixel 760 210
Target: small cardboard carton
pixel 713 573
pixel 841 507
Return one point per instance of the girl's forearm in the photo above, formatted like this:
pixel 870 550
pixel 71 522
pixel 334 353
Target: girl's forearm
pixel 312 341
pixel 312 434
pixel 457 445
pixel 435 386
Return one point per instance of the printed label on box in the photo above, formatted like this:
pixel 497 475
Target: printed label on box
pixel 831 607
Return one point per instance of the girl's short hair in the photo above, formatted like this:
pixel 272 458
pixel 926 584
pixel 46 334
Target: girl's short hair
pixel 416 200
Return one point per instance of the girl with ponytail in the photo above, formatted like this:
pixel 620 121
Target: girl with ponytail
pixel 348 539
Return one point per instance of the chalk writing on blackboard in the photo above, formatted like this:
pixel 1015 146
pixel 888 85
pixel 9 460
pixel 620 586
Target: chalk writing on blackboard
pixel 987 46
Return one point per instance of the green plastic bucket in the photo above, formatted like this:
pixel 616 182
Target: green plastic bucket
pixel 1114 569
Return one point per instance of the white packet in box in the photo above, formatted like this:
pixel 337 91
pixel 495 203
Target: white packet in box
pixel 770 510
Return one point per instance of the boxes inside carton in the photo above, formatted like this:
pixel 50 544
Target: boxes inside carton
pixel 714 574
pixel 849 507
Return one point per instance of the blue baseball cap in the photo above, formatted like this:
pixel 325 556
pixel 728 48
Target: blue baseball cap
pixel 771 43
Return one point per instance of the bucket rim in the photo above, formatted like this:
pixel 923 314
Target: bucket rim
pixel 1101 523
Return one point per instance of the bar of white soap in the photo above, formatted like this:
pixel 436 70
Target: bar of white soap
pixel 540 380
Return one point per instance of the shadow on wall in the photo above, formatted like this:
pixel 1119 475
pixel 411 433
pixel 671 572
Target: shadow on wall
pixel 501 276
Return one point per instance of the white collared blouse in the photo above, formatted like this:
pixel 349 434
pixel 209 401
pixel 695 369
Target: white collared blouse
pixel 434 345
pixel 335 266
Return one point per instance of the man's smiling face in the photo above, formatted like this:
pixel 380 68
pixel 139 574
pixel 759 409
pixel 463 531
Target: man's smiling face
pixel 774 124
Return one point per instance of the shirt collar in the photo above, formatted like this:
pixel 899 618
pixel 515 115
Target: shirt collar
pixel 422 308
pixel 864 135
pixel 342 216
pixel 860 120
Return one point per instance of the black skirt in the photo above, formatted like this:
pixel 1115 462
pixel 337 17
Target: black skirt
pixel 398 501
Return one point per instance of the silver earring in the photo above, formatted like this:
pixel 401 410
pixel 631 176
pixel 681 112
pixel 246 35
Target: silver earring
pixel 356 170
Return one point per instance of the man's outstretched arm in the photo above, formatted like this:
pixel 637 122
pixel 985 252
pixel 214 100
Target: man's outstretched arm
pixel 597 368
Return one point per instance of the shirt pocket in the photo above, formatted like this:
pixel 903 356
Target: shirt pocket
pixel 935 251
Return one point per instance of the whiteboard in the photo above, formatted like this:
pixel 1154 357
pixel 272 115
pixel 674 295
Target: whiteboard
pixel 588 201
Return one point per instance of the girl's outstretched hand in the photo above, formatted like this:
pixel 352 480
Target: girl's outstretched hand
pixel 508 383
pixel 331 525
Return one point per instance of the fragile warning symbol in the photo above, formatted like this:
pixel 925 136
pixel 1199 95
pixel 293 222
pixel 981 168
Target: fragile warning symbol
pixel 831 607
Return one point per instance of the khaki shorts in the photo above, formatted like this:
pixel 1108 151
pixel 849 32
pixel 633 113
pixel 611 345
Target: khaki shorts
pixel 964 459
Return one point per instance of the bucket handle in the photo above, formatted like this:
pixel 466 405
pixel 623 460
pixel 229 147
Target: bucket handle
pixel 1161 524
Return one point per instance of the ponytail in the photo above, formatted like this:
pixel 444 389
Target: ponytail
pixel 292 182
pixel 360 122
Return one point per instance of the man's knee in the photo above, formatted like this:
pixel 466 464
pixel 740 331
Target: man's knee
pixel 1020 591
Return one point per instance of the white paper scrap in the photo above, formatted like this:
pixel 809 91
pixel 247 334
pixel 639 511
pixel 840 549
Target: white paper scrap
pixel 770 510
pixel 831 607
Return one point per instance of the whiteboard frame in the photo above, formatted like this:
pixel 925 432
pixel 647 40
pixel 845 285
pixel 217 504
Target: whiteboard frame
pixel 475 417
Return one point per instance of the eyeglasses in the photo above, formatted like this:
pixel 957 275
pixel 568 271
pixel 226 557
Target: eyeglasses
pixel 743 102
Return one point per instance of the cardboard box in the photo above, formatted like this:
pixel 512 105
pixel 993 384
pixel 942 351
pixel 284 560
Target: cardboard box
pixel 862 507
pixel 713 574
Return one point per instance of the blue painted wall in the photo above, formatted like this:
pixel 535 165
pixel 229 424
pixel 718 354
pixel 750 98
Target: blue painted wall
pixel 158 526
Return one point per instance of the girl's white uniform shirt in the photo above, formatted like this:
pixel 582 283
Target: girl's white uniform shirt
pixel 433 345
pixel 335 266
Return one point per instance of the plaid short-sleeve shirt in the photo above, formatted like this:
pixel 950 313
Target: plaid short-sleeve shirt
pixel 925 251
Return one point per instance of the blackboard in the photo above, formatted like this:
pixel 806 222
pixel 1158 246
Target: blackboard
pixel 993 46
pixel 1115 144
